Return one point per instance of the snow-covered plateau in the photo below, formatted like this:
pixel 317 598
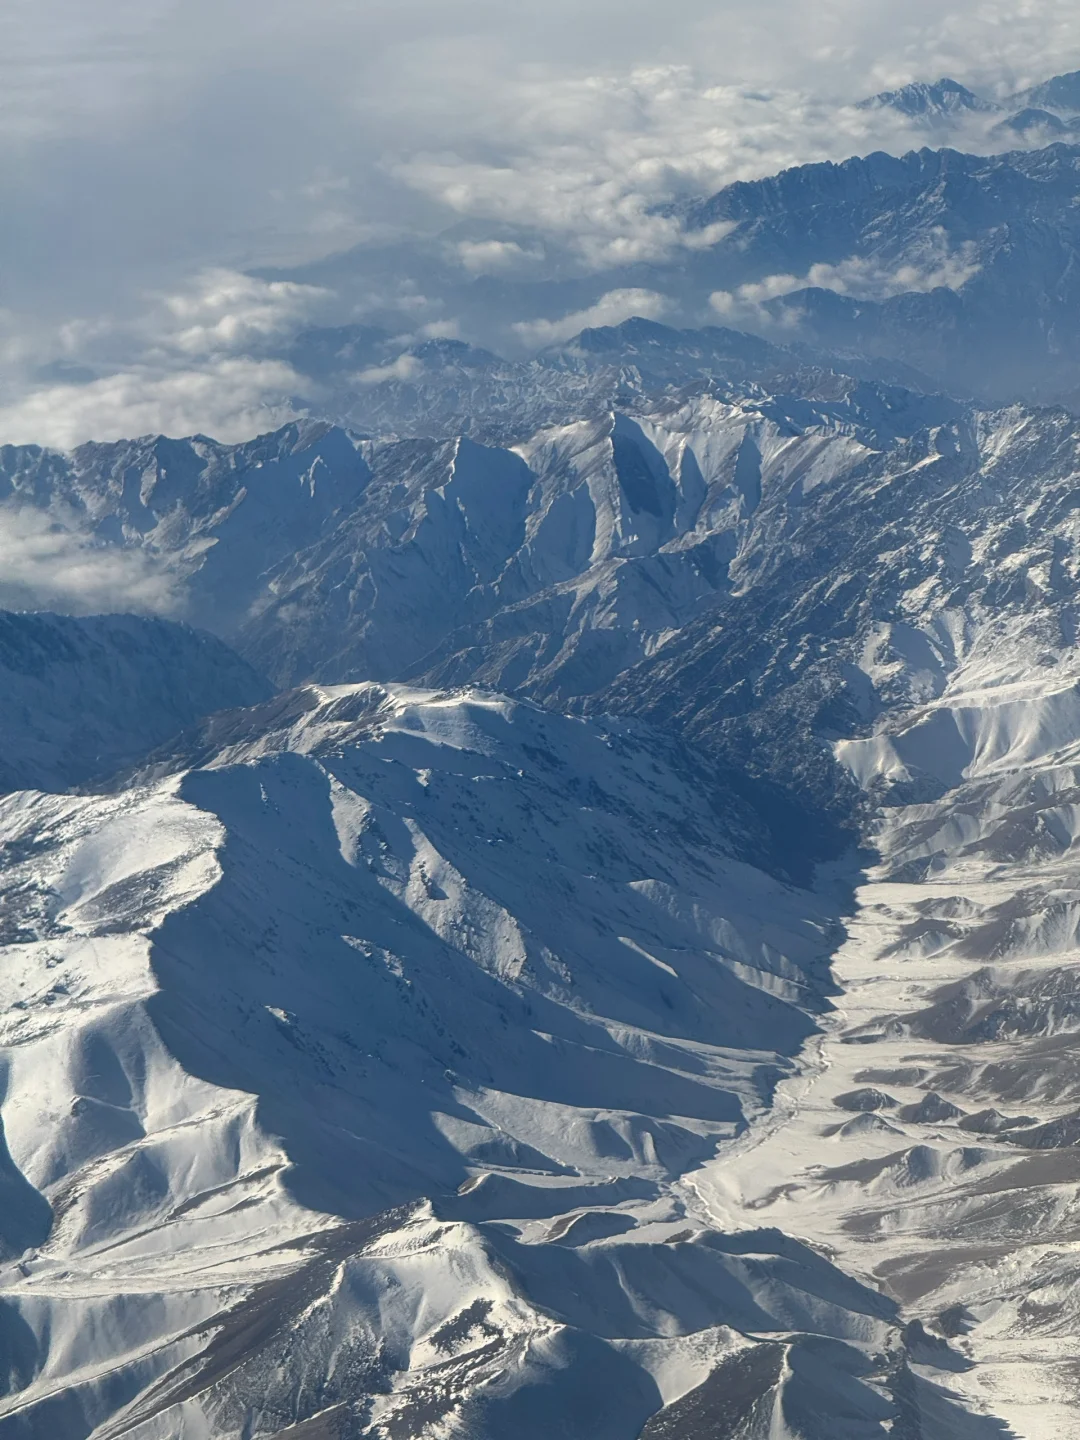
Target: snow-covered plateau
pixel 623 983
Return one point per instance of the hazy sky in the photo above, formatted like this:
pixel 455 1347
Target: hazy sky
pixel 151 150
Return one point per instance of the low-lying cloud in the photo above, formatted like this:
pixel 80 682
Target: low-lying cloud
pixel 860 277
pixel 496 257
pixel 591 161
pixel 229 399
pixel 405 367
pixel 46 564
pixel 200 358
pixel 227 311
pixel 154 155
pixel 611 309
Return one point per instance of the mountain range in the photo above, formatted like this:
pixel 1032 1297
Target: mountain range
pixel 936 269
pixel 566 922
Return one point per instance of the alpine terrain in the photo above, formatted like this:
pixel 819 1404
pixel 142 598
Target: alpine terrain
pixel 562 919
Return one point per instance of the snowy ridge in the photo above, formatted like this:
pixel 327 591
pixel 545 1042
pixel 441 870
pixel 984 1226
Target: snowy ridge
pixel 933 103
pixel 357 1133
pixel 936 259
pixel 548 568
pixel 321 975
pixel 430 1062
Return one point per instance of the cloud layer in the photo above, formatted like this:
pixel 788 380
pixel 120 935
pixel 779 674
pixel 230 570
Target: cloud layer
pixel 934 266
pixel 611 309
pixel 229 399
pixel 47 565
pixel 153 152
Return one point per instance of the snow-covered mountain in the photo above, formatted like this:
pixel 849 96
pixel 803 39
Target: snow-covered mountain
pixel 615 978
pixel 387 1061
pixel 1034 124
pixel 79 698
pixel 439 387
pixel 959 265
pixel 1061 94
pixel 718 558
pixel 548 567
pixel 857 591
pixel 358 1073
pixel 930 103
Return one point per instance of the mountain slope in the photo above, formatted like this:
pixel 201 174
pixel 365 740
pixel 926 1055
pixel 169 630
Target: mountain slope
pixel 960 265
pixel 931 103
pixel 398 1062
pixel 318 1106
pixel 79 698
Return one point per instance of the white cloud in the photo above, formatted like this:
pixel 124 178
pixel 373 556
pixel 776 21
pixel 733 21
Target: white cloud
pixel 405 367
pixel 863 278
pixel 493 257
pixel 46 564
pixel 227 311
pixel 217 312
pixel 230 399
pixel 145 142
pixel 708 235
pixel 611 309
pixel 440 330
pixel 591 160
pixel 192 360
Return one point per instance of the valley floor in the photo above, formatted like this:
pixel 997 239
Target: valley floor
pixel 929 1145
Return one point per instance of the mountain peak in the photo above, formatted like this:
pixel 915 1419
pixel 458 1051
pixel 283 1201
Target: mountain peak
pixel 1032 120
pixel 924 101
pixel 1061 93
